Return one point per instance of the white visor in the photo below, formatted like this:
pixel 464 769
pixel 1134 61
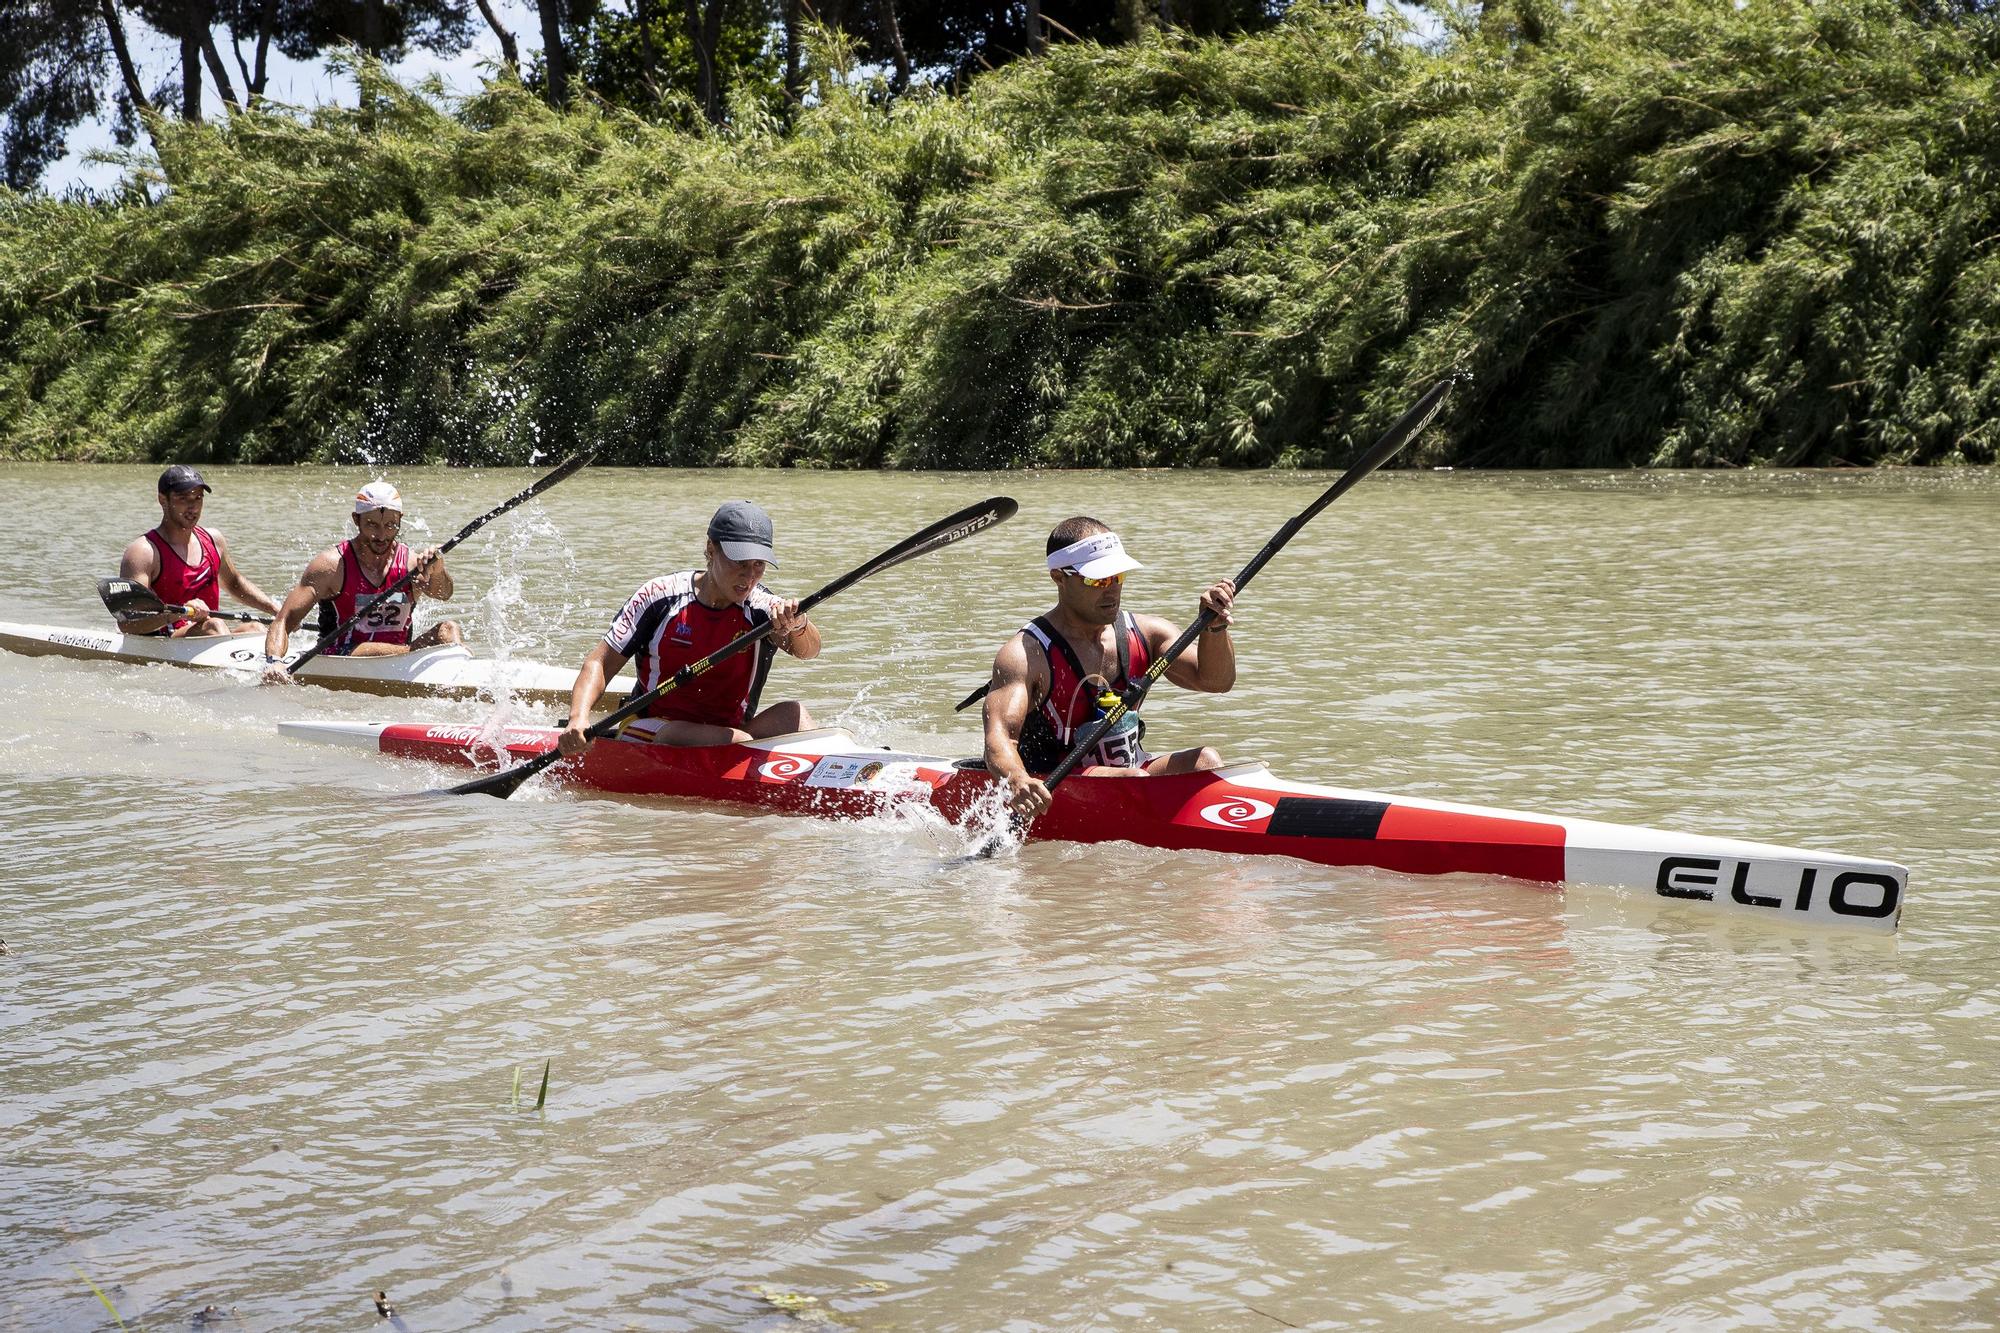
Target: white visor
pixel 377 495
pixel 1097 556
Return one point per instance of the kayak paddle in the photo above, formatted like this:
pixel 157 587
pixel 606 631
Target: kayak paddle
pixel 131 601
pixel 332 637
pixel 1407 428
pixel 963 524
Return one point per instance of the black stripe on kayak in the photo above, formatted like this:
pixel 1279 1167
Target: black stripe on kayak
pixel 1326 817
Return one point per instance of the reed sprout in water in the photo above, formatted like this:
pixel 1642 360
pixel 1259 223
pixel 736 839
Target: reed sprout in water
pixel 98 1292
pixel 541 1097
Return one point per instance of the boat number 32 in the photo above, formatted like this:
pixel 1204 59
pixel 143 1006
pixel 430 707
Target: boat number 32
pixel 1848 893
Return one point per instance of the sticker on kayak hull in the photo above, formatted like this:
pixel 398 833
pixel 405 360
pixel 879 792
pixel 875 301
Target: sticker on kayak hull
pixel 853 770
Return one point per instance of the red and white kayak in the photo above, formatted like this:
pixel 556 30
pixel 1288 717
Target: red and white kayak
pixel 1239 809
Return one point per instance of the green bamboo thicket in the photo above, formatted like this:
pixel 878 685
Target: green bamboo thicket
pixel 1649 232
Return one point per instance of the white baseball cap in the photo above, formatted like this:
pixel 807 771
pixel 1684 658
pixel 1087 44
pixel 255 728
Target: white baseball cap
pixel 1098 556
pixel 377 495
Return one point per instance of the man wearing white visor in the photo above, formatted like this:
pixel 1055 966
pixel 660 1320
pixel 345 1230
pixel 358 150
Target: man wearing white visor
pixel 349 578
pixel 1050 679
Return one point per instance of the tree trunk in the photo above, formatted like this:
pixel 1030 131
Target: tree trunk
pixel 508 51
pixel 554 59
pixel 266 20
pixel 216 69
pixel 704 30
pixel 649 54
pixel 192 15
pixel 892 35
pixel 115 27
pixel 374 28
pixel 236 53
pixel 795 80
pixel 1038 38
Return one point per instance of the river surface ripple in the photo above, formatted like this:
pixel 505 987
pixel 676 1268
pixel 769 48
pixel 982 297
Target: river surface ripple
pixel 263 1021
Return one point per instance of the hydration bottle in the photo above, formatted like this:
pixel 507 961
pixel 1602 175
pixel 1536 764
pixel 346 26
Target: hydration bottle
pixel 1120 745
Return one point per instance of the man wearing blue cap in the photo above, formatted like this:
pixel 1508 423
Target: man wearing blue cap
pixel 683 617
pixel 1049 680
pixel 187 565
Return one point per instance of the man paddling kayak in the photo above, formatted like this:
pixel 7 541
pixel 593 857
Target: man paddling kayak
pixel 1049 678
pixel 349 578
pixel 185 564
pixel 683 617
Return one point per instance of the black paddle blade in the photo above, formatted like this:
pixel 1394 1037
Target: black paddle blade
pixel 954 528
pixel 122 597
pixel 1404 429
pixel 505 782
pixel 996 842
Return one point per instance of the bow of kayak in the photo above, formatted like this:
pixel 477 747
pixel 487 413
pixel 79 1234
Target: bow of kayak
pixel 1241 809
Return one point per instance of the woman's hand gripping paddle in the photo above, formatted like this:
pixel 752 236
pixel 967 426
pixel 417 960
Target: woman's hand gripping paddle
pixel 946 531
pixel 1406 428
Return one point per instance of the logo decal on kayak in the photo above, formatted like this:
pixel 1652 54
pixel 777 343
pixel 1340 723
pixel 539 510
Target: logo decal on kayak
pixel 1862 893
pixel 784 768
pixel 1238 812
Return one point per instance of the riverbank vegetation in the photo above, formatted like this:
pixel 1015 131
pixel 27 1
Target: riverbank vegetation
pixel 1648 232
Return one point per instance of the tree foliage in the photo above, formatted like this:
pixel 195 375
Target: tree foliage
pixel 1668 232
pixel 53 63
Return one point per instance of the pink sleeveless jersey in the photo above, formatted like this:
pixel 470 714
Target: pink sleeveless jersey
pixel 381 621
pixel 179 583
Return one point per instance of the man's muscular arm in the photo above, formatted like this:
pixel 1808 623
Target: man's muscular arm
pixel 320 581
pixel 1008 701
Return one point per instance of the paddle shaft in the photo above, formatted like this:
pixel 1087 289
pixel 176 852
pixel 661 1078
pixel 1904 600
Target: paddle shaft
pixel 248 617
pixel 332 637
pixel 1407 427
pixel 944 532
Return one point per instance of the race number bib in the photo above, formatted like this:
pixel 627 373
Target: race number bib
pixel 382 615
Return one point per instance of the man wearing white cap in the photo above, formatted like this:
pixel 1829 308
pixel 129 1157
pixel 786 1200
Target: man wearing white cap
pixel 349 578
pixel 678 619
pixel 1049 678
pixel 186 565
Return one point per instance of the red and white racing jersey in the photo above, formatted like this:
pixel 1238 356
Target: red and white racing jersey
pixel 665 626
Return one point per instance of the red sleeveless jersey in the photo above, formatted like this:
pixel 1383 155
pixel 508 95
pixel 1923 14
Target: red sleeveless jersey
pixel 382 621
pixel 179 583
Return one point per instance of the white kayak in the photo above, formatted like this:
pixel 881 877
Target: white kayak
pixel 451 670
